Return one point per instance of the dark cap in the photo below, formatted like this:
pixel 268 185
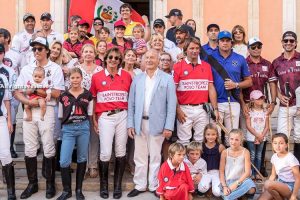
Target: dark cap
pixel 28 15
pixel 98 18
pixel 182 28
pixel 83 23
pixel 174 12
pixel 159 22
pixel 2 49
pixel 46 15
pixel 212 26
pixel 289 33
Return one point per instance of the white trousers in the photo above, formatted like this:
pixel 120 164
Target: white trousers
pixel 147 145
pixel 14 109
pixel 31 129
pixel 5 156
pixel 110 127
pixel 211 179
pixel 282 125
pixel 197 118
pixel 225 116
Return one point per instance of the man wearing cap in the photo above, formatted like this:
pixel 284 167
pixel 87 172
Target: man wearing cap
pixel 159 27
pixel 98 24
pixel 51 35
pixel 6 128
pixel 54 77
pixel 286 71
pixel 126 12
pixel 175 18
pixel 12 59
pixel 259 70
pixel 212 34
pixel 194 80
pixel 84 35
pixel 238 78
pixel 181 34
pixel 119 40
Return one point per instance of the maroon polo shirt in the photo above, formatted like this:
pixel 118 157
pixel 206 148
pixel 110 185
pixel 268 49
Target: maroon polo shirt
pixel 259 74
pixel 284 70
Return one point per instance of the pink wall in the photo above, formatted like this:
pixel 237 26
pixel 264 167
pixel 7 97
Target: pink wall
pixel 43 6
pixel 8 15
pixel 184 5
pixel 270 28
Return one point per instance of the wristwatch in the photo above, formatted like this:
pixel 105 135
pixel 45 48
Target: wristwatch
pixel 274 102
pixel 238 183
pixel 237 85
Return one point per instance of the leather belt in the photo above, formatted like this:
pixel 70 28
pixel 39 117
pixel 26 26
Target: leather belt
pixel 193 104
pixel 112 112
pixel 146 117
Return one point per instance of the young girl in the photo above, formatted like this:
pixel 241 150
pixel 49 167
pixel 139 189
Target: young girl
pixel 212 150
pixel 72 44
pixel 75 109
pixel 101 48
pixel 139 43
pixel 38 77
pixel 286 167
pixel 257 123
pixel 175 181
pixel 235 168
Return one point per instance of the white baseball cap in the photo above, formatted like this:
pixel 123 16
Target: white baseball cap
pixel 254 40
pixel 41 41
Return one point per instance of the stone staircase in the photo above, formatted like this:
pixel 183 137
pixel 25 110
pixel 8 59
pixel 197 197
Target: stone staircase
pixel 92 184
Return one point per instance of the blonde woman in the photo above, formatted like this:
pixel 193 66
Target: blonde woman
pixel 239 40
pixel 157 42
pixel 56 52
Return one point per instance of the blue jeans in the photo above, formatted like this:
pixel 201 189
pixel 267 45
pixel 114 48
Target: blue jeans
pixel 255 154
pixel 74 133
pixel 240 191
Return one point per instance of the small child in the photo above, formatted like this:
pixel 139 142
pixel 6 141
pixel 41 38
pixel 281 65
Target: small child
pixel 38 83
pixel 257 123
pixel 175 181
pixel 286 166
pixel 104 34
pixel 101 48
pixel 196 164
pixel 235 168
pixel 72 44
pixel 212 150
pixel 139 44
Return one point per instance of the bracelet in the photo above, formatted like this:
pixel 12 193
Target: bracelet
pixel 224 186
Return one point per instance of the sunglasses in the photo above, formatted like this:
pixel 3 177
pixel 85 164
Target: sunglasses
pixel 237 32
pixel 255 46
pixel 292 41
pixel 98 24
pixel 39 49
pixel 115 58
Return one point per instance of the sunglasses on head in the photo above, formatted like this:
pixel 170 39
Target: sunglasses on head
pixel 39 49
pixel 256 46
pixel 98 24
pixel 292 41
pixel 114 57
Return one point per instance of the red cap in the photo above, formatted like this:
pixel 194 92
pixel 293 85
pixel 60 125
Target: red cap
pixel 84 23
pixel 119 23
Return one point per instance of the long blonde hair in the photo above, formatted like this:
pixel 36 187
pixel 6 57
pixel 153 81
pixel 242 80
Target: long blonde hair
pixel 58 60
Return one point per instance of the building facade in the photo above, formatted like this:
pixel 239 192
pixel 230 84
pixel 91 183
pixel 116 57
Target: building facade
pixel 267 19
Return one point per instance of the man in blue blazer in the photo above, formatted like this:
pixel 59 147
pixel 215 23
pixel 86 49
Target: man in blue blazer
pixel 151 115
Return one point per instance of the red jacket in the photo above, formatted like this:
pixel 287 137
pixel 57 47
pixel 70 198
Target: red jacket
pixel 76 48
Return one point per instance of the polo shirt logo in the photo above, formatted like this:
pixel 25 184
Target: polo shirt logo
pixel 264 68
pixel 185 72
pixel 166 179
pixel 235 63
pixel 297 63
pixel 104 83
pixel 48 73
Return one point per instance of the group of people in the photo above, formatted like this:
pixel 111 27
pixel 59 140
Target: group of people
pixel 170 107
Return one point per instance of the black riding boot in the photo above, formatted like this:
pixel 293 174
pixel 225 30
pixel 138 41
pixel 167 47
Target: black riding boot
pixel 81 167
pixel 103 168
pixel 9 173
pixel 66 182
pixel 12 141
pixel 31 168
pixel 118 175
pixel 50 177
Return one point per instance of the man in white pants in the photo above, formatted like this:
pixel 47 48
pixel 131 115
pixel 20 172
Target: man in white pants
pixel 54 77
pixel 152 103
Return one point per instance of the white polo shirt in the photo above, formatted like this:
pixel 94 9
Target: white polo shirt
pixel 21 41
pixel 4 94
pixel 200 166
pixel 55 36
pixel 53 76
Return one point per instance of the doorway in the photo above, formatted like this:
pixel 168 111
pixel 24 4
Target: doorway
pixel 141 6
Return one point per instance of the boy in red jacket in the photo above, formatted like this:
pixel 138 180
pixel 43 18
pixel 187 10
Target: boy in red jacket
pixel 175 181
pixel 72 44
